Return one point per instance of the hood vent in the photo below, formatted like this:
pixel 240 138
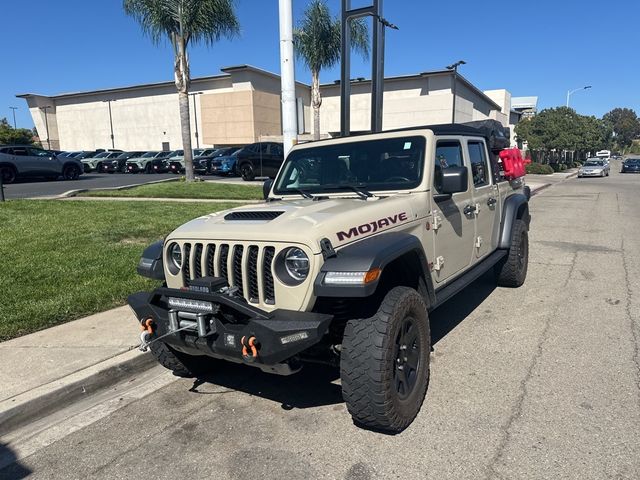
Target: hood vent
pixel 264 215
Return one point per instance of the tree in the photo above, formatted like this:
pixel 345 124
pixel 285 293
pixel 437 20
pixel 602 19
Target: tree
pixel 317 44
pixel 625 125
pixel 14 136
pixel 184 22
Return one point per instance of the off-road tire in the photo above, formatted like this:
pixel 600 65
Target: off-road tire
pixel 181 364
pixel 247 173
pixel 370 360
pixel 8 173
pixel 71 172
pixel 512 271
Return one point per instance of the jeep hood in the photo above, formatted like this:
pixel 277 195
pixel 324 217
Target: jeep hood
pixel 304 221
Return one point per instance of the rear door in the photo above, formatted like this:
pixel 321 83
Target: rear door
pixel 454 229
pixel 24 161
pixel 485 197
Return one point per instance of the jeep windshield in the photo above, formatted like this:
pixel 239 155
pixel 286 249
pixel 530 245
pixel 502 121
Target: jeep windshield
pixel 367 165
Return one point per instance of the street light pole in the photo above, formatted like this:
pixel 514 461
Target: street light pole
pixel 287 76
pixel 195 115
pixel 454 67
pixel 14 117
pixel 113 143
pixel 571 92
pixel 46 122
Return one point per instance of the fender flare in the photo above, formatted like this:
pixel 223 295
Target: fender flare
pixel 516 207
pixel 373 252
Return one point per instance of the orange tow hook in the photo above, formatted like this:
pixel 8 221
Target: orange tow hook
pixel 147 333
pixel 251 345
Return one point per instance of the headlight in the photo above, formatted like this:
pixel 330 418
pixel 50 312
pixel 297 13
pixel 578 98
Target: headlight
pixel 292 266
pixel 175 255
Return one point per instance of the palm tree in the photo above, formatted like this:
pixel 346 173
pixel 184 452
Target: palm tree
pixel 184 22
pixel 317 44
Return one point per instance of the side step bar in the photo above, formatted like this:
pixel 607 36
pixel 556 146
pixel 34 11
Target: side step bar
pixel 447 291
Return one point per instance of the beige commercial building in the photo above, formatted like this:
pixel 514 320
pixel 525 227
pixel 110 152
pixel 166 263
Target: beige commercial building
pixel 242 105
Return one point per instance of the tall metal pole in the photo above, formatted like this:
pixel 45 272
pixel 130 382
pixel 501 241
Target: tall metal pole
pixel 46 122
pixel 377 67
pixel 571 92
pixel 14 117
pixel 113 143
pixel 454 90
pixel 287 77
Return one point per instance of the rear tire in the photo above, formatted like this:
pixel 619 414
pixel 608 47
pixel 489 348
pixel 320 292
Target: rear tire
pixel 181 364
pixel 70 172
pixel 148 168
pixel 384 364
pixel 9 174
pixel 247 173
pixel 512 272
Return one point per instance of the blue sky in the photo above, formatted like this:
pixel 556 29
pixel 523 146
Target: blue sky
pixel 538 48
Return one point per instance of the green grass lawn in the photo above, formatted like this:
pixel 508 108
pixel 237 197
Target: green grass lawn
pixel 195 190
pixel 64 260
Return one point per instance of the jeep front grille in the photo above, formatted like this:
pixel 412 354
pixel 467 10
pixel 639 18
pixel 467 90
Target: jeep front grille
pixel 247 268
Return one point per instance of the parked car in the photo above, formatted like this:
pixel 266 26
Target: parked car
pixel 161 164
pixel 143 162
pixel 119 163
pixel 261 159
pixel 95 162
pixel 176 162
pixel 631 165
pixel 21 161
pixel 594 167
pixel 225 162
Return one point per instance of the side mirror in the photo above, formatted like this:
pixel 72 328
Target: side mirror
pixel 266 188
pixel 454 180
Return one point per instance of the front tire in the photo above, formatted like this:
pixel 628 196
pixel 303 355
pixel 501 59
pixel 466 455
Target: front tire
pixel 247 173
pixel 181 364
pixel 512 272
pixel 148 168
pixel 384 364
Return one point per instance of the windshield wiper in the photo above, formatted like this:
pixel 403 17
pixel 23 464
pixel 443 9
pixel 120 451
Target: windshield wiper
pixel 362 192
pixel 304 193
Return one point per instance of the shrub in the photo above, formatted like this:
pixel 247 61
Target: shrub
pixel 563 167
pixel 537 168
pixel 576 165
pixel 555 167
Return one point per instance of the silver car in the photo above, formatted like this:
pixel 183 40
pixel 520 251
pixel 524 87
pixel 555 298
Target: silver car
pixel 594 167
pixel 22 161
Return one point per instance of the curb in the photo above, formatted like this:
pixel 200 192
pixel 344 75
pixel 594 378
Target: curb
pixel 73 193
pixel 46 399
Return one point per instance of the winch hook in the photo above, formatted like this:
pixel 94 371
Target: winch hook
pixel 146 334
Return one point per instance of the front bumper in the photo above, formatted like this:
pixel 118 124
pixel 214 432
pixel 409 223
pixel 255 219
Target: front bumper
pixel 591 174
pixel 279 335
pixel 133 168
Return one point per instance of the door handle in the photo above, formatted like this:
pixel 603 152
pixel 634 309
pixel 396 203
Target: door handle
pixel 491 201
pixel 469 209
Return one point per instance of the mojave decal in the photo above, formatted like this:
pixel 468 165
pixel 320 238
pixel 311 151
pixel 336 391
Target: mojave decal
pixel 372 227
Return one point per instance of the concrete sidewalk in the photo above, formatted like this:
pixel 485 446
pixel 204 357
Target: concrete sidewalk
pixel 47 370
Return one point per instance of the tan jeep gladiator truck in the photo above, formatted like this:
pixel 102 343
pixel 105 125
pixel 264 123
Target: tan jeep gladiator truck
pixel 358 240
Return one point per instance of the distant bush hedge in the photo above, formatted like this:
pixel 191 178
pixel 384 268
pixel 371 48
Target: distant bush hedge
pixel 537 168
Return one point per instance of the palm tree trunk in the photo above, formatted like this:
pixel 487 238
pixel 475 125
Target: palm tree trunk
pixel 316 101
pixel 182 79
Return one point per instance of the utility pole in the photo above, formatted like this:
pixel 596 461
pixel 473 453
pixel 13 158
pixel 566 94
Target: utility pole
pixel 46 122
pixel 287 77
pixel 113 143
pixel 14 117
pixel 195 115
pixel 454 67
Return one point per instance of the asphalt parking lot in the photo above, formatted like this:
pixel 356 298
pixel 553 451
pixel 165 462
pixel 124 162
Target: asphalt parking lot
pixel 46 188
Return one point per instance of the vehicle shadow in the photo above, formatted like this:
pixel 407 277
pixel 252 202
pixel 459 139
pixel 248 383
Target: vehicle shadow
pixel 312 387
pixel 316 385
pixel 448 316
pixel 10 468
